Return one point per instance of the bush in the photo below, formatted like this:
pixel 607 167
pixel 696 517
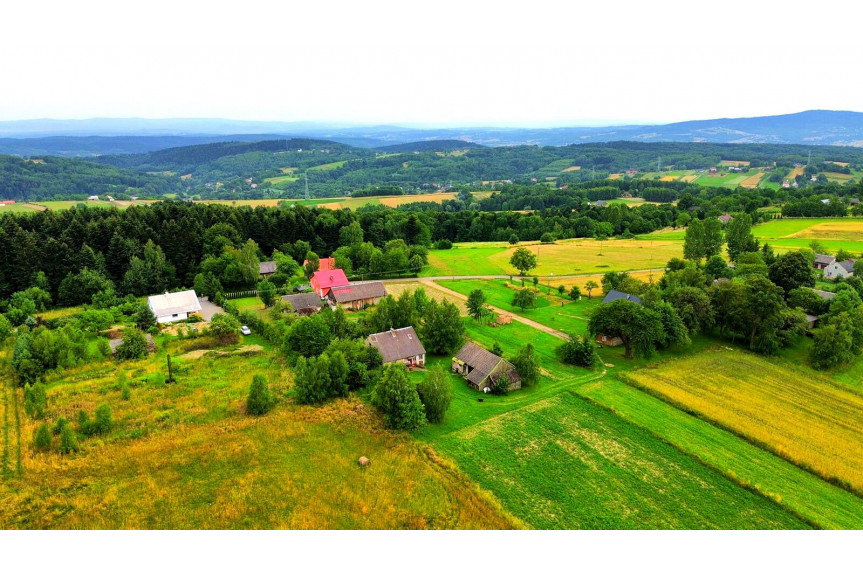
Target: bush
pixel 5 328
pixel 42 438
pixel 527 364
pixel 513 239
pixel 68 441
pixel 497 350
pixel 575 293
pixel 35 400
pixel 125 392
pixel 578 350
pixel 102 422
pixel 435 393
pixel 58 427
pixel 547 238
pixel 134 345
pixel 443 244
pixel 260 400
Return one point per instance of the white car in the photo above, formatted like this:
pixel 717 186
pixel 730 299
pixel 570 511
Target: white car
pixel 245 330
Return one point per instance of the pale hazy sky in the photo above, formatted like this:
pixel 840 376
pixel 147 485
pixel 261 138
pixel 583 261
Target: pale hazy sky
pixel 442 62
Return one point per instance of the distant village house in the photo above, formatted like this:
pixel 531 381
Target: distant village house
pixel 822 261
pixel 304 303
pixel 615 295
pixel 266 269
pixel 839 270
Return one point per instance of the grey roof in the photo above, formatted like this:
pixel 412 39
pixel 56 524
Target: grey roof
pixel 397 344
pixel 614 295
pixel 824 294
pixel 810 318
pixel 482 362
pixel 725 218
pixel 848 265
pixel 600 203
pixel 303 300
pixel 358 291
pixel 824 259
pixel 267 268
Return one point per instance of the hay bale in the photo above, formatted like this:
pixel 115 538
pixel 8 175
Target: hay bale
pixel 364 461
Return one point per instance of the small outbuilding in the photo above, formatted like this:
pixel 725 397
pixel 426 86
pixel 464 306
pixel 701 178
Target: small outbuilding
pixel 175 306
pixel 482 369
pixel 266 269
pixel 822 261
pixel 356 296
pixel 399 345
pixel 615 295
pixel 304 303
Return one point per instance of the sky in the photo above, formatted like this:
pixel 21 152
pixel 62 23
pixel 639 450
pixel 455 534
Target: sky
pixel 442 63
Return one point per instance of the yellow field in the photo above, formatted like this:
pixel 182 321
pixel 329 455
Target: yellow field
pixel 843 164
pixel 832 230
pixel 839 177
pixel 793 411
pixel 437 197
pixel 794 173
pixel 735 163
pixel 572 169
pixel 690 178
pixel 432 290
pixel 668 178
pixel 185 456
pixel 752 181
pixel 615 176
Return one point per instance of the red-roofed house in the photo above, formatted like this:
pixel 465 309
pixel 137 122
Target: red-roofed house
pixel 325 265
pixel 322 281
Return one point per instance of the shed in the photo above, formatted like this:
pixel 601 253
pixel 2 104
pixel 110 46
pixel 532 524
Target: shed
pixel 399 345
pixel 266 268
pixel 304 303
pixel 175 306
pixel 482 369
pixel 357 295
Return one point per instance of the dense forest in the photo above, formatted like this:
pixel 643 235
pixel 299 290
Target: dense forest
pixel 50 178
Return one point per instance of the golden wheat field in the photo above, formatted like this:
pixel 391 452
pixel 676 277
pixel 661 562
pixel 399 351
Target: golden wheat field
pixel 186 456
pixel 798 414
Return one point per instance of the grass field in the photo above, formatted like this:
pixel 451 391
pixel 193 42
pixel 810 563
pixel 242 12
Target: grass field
pixel 796 233
pixel 186 456
pixel 793 411
pixel 566 257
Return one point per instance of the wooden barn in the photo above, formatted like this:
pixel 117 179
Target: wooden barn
pixel 482 369
pixel 356 296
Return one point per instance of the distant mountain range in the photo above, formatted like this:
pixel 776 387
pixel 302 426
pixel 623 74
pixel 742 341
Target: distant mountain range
pixel 102 136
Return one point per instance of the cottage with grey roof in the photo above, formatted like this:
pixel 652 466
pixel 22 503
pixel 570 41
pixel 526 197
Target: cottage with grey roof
pixel 482 369
pixel 399 345
pixel 822 261
pixel 838 270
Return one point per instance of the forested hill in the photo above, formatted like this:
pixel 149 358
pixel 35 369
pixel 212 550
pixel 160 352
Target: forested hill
pixel 430 146
pixel 48 178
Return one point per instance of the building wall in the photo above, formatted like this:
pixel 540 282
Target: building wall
pixel 172 318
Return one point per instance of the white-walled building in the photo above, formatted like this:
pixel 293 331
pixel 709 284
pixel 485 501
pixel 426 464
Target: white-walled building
pixel 175 306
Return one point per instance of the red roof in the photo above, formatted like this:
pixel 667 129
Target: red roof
pixel 325 265
pixel 328 279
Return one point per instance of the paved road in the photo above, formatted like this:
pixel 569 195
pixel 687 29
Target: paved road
pixel 515 317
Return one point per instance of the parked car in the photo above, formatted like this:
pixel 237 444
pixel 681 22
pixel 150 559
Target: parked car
pixel 245 330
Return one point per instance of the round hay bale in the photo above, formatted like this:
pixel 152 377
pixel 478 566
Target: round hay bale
pixel 364 461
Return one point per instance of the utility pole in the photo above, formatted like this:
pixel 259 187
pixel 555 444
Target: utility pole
pixel 307 185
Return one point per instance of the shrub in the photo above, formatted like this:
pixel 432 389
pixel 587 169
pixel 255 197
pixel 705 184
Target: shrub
pixel 578 350
pixel 144 317
pixel 102 422
pixel 443 244
pixel 435 393
pixel 225 327
pixel 35 400
pixel 501 386
pixel 527 364
pixel 497 350
pixel 58 427
pixel 513 239
pixel 5 328
pixel 125 392
pixel 134 345
pixel 68 441
pixel 260 400
pixel 575 293
pixel 547 238
pixel 42 437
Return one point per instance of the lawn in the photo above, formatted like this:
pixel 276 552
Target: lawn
pixel 185 456
pixel 796 413
pixel 566 257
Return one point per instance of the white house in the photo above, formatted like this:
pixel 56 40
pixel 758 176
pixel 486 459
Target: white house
pixel 174 306
pixel 839 270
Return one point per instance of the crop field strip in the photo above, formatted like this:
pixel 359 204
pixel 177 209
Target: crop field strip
pixel 805 494
pixel 803 417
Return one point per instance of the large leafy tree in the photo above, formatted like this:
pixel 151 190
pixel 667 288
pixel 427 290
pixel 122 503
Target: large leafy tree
pixel 527 365
pixel 523 260
pixel 712 239
pixel 435 393
pixel 524 298
pixel 738 235
pixel 398 399
pixel 637 327
pixel 694 308
pixel 443 329
pixel 476 304
pixel 761 313
pixel 791 271
pixel 693 242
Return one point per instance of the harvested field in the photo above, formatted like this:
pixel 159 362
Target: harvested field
pixel 572 169
pixel 752 181
pixel 735 163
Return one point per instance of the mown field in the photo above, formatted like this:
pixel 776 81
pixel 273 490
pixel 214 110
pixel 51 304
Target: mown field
pixel 566 257
pixel 186 456
pixel 798 414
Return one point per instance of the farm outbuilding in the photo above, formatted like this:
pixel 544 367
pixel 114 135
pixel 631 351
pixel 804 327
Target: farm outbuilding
pixel 266 269
pixel 482 369
pixel 822 261
pixel 304 303
pixel 356 296
pixel 175 306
